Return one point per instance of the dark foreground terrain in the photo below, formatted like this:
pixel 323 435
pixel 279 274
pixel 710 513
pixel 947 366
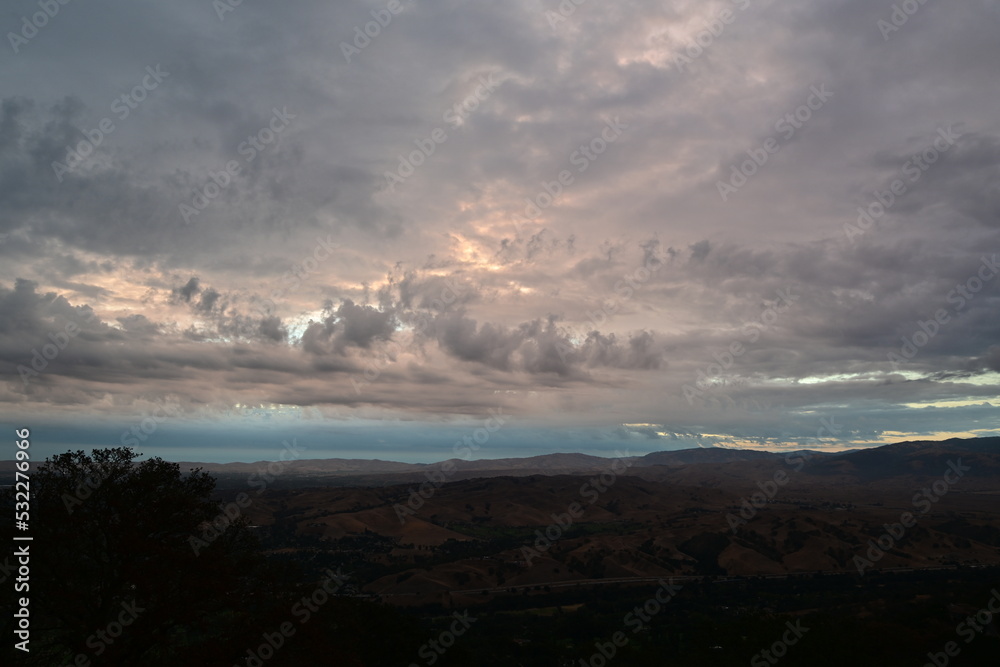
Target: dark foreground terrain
pixel 888 556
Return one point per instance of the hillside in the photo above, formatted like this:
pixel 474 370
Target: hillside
pixel 690 520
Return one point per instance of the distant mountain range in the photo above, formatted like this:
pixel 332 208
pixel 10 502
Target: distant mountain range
pixel 872 463
pixel 682 513
pixel 433 532
pixel 561 463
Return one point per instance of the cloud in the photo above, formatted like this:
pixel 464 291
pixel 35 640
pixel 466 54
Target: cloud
pixel 189 289
pixel 304 281
pixel 350 325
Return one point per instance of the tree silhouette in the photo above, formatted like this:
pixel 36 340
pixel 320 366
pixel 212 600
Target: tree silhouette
pixel 114 577
pixel 135 563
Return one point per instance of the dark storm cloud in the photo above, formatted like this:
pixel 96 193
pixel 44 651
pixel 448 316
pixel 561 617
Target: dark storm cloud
pixel 139 324
pixel 964 180
pixel 302 279
pixel 990 360
pixel 27 313
pixel 542 347
pixel 272 328
pixel 350 325
pixel 189 289
pixel 208 301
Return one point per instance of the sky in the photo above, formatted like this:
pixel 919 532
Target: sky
pixel 380 228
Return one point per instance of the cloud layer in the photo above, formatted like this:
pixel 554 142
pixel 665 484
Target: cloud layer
pixel 665 223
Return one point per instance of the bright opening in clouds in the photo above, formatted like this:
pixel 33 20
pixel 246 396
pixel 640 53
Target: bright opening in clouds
pixel 366 225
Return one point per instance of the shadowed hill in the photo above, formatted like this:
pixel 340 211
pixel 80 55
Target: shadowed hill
pixel 766 515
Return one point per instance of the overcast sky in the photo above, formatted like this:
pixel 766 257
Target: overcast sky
pixel 629 225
